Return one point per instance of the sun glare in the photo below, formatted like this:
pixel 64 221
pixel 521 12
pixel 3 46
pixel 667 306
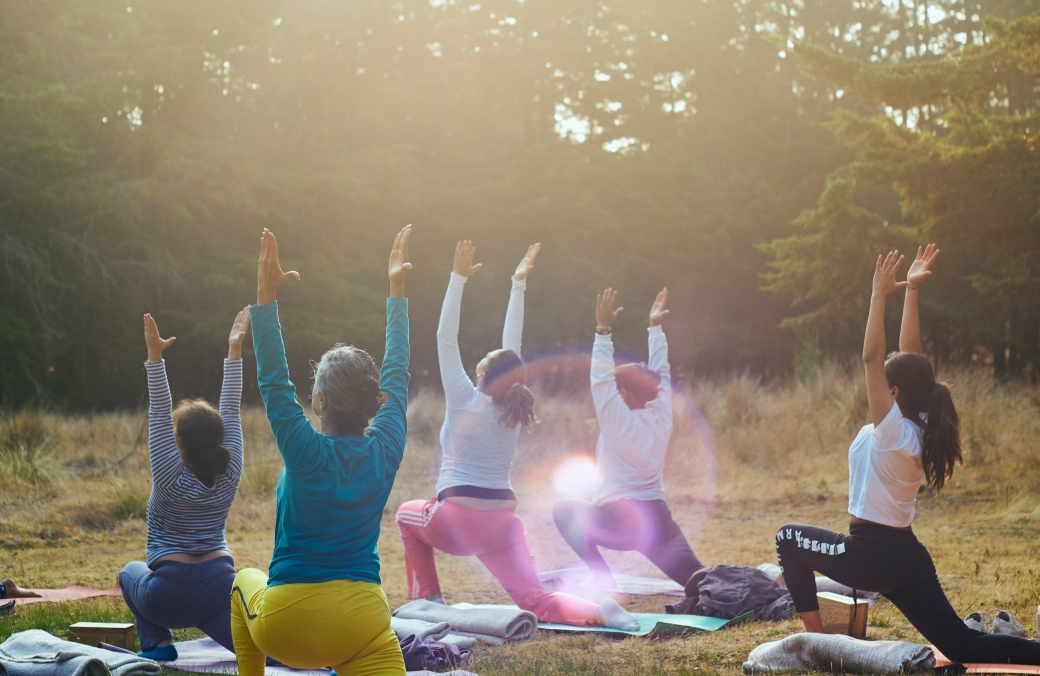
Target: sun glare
pixel 577 477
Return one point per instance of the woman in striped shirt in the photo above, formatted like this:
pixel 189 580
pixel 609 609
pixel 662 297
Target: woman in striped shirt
pixel 196 458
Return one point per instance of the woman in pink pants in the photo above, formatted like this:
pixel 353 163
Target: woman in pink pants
pixel 474 511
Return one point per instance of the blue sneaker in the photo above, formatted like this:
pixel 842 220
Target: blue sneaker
pixel 167 653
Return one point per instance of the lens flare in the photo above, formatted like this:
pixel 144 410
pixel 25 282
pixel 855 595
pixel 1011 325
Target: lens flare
pixel 577 477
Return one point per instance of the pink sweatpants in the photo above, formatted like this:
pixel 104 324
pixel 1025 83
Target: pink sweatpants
pixel 496 538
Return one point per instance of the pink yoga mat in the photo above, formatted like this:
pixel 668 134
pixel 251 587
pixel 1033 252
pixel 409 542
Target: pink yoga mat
pixel 941 661
pixel 73 593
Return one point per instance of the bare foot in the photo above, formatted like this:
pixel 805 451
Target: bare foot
pixel 15 592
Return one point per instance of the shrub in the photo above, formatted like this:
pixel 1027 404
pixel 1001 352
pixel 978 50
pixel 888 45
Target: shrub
pixel 26 447
pixel 131 501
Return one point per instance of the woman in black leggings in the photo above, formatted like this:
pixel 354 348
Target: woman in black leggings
pixel 914 437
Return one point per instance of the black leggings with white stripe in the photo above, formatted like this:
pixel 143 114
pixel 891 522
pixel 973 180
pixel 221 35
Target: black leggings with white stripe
pixel 877 558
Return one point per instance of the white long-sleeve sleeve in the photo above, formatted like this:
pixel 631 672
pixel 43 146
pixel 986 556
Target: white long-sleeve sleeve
pixel 459 391
pixel 658 363
pixel 611 410
pixel 513 330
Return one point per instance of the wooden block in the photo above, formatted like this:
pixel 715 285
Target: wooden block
pixel 840 615
pixel 114 633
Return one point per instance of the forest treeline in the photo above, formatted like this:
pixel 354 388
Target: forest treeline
pixel 752 155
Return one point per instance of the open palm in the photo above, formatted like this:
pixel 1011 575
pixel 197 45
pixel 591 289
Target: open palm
pixel 527 264
pixel 605 312
pixel 153 341
pixel 269 275
pixel 464 253
pixel 660 309
pixel 920 270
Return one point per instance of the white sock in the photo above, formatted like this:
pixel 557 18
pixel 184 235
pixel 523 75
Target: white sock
pixel 616 617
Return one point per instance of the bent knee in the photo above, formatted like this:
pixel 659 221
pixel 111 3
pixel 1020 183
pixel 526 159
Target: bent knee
pixel 787 535
pixel 409 510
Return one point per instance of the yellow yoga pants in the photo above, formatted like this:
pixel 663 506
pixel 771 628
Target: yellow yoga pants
pixel 343 624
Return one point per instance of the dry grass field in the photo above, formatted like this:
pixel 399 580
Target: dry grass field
pixel 746 457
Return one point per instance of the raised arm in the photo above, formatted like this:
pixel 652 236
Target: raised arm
pixel 611 410
pixel 297 439
pixel 910 328
pixel 459 390
pixel 879 394
pixel 231 393
pixel 658 344
pixel 162 445
pixel 392 421
pixel 513 331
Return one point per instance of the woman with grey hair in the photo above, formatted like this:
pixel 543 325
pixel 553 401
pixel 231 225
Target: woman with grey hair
pixel 324 573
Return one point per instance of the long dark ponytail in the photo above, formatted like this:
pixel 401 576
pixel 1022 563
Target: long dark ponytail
pixel 505 381
pixel 920 393
pixel 201 431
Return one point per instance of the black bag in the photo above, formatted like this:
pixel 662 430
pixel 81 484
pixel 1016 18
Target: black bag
pixel 728 591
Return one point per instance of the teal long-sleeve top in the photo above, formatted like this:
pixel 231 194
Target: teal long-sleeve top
pixel 331 494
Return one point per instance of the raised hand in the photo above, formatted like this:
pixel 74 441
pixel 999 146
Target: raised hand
pixel 920 269
pixel 153 341
pixel 659 311
pixel 399 265
pixel 269 275
pixel 605 312
pixel 238 334
pixel 885 274
pixel 464 252
pixel 527 264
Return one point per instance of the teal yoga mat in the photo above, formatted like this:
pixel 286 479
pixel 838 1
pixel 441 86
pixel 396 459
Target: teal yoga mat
pixel 658 624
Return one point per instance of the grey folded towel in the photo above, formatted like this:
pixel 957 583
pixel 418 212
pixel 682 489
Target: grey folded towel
pixel 37 653
pixel 487 624
pixel 424 630
pixel 839 653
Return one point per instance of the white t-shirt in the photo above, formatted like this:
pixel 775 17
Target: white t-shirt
pixel 632 445
pixel 885 470
pixel 476 449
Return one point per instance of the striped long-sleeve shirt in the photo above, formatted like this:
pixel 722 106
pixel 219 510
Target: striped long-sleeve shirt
pixel 184 515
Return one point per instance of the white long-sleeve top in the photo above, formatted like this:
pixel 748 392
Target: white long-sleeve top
pixel 632 444
pixel 476 449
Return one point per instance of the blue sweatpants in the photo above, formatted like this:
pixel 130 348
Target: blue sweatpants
pixel 179 596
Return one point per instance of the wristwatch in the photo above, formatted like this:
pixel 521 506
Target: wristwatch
pixel 603 330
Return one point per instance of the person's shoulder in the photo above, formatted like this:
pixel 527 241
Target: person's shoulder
pixel 897 432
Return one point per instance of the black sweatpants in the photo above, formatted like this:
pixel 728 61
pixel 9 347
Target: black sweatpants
pixel 646 526
pixel 877 558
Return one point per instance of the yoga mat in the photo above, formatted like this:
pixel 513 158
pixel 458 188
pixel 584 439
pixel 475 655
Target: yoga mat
pixel 941 661
pixel 658 624
pixel 206 656
pixel 634 585
pixel 73 593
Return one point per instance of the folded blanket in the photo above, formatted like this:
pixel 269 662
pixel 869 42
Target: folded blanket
pixel 37 653
pixel 839 653
pixel 420 628
pixel 428 631
pixel 494 625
